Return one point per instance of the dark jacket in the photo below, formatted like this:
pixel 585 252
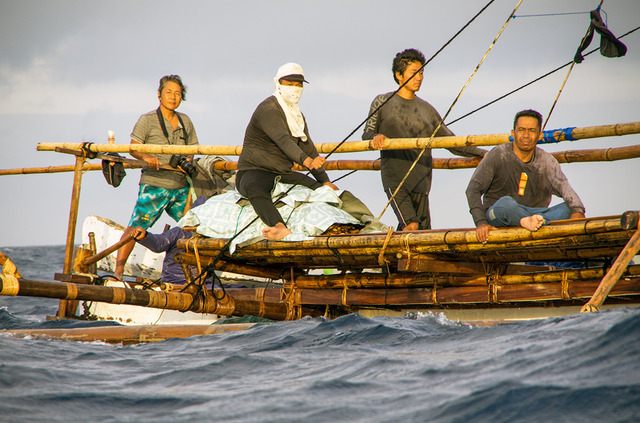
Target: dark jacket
pixel 269 145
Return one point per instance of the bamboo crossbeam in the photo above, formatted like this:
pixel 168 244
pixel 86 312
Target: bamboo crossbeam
pixel 569 156
pixel 413 280
pixel 488 294
pixel 127 335
pixel 477 140
pixel 169 300
pixel 49 169
pixel 227 266
pixel 568 240
pixel 353 146
pixel 437 238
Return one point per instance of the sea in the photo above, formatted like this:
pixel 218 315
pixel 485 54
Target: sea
pixel 415 368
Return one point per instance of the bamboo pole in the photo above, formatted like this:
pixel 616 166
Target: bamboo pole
pixel 569 156
pixel 364 250
pixel 169 300
pixel 127 335
pixel 71 230
pixel 437 238
pixel 477 140
pixel 49 169
pixel 421 280
pixel 353 146
pixel 97 257
pixel 227 266
pixel 492 293
pixel 612 277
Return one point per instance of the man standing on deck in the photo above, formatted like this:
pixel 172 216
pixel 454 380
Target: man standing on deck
pixel 513 184
pixel 276 137
pixel 160 189
pixel 406 115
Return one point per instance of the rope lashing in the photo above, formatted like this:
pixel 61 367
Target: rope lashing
pixel 381 260
pixel 549 137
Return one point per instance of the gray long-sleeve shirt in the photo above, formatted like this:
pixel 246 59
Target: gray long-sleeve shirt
pixel 402 118
pixel 500 172
pixel 269 145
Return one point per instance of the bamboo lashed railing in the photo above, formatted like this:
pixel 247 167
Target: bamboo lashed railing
pixel 569 156
pixel 581 239
pixel 489 293
pixel 349 147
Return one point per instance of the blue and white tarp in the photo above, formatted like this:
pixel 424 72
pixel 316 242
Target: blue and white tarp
pixel 306 213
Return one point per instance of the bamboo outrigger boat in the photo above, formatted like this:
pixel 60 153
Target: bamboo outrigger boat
pixel 446 271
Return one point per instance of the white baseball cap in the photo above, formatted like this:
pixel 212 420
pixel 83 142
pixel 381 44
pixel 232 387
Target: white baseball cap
pixel 291 72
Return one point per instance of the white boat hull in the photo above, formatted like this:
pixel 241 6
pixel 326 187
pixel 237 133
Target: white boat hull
pixel 141 263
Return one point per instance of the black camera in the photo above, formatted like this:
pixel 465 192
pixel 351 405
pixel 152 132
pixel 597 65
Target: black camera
pixel 181 161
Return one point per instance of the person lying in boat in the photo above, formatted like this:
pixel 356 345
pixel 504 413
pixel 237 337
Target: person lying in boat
pixel 513 184
pixel 406 115
pixel 160 189
pixel 277 136
pixel 167 242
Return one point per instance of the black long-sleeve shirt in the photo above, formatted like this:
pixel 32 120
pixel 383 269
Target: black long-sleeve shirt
pixel 402 118
pixel 269 145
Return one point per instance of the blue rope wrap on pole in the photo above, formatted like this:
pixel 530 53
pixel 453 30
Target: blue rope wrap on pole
pixel 548 137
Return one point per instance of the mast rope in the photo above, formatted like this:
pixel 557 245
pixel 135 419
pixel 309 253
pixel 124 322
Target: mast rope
pixel 530 83
pixel 550 14
pixel 410 78
pixel 555 102
pixel 435 131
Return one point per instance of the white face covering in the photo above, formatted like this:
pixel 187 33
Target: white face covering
pixel 288 98
pixel 290 94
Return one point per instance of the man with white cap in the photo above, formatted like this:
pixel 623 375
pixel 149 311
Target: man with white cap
pixel 277 137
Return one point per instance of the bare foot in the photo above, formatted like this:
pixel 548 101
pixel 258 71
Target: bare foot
pixel 413 226
pixel 274 233
pixel 533 223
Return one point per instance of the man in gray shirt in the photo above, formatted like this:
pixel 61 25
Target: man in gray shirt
pixel 406 115
pixel 513 184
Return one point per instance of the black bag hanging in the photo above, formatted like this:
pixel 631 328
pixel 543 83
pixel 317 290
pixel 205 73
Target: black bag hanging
pixel 113 171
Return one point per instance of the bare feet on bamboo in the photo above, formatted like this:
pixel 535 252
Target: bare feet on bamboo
pixel 533 223
pixel 275 233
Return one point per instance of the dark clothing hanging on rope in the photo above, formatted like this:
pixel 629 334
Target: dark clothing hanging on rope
pixel 610 46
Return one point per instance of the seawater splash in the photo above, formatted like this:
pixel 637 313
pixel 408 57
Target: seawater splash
pixel 417 368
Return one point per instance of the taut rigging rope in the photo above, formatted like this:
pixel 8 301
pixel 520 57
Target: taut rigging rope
pixel 449 111
pixel 531 82
pixel 553 106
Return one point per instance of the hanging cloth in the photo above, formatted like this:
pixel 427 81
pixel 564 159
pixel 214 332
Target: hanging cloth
pixel 610 46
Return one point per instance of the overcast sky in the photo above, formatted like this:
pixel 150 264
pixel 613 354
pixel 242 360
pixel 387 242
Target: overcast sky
pixel 71 70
